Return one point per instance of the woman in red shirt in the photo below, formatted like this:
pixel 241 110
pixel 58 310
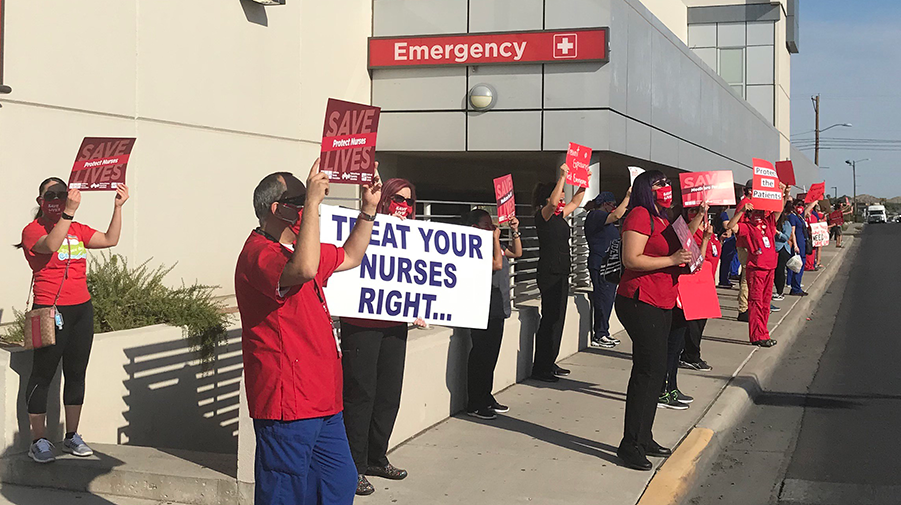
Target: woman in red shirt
pixel 760 232
pixel 645 299
pixel 374 353
pixel 691 354
pixel 55 247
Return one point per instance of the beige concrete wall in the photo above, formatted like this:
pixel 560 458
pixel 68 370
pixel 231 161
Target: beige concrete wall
pixel 783 90
pixel 673 14
pixel 218 94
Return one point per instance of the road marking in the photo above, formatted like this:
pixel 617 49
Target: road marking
pixel 808 492
pixel 672 481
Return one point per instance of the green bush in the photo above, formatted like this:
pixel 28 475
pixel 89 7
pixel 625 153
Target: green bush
pixel 126 298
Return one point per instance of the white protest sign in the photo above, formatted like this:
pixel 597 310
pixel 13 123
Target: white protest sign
pixel 439 272
pixel 819 232
pixel 633 173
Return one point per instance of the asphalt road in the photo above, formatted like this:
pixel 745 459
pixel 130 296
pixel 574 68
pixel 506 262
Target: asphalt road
pixel 828 429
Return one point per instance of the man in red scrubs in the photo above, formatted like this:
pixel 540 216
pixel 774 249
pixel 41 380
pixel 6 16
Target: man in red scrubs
pixel 292 360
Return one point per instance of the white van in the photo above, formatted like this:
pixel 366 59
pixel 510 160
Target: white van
pixel 876 214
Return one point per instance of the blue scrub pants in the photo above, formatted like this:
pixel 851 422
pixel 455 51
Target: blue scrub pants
pixel 794 279
pixel 304 462
pixel 602 298
pixel 729 254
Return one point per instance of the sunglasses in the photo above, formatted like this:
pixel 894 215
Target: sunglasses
pixel 54 195
pixel 401 199
pixel 662 183
pixel 296 201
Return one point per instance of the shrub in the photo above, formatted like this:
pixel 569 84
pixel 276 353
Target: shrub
pixel 126 298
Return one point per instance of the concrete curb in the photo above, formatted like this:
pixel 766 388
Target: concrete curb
pixel 696 452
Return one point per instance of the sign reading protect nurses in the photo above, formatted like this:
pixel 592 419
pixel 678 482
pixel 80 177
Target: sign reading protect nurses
pixel 439 272
pixel 551 46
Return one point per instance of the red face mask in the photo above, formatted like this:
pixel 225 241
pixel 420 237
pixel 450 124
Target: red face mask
pixel 560 207
pixel 296 226
pixel 399 209
pixel 52 209
pixel 665 197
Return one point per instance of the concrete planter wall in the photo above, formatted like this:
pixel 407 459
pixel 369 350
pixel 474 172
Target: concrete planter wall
pixel 144 387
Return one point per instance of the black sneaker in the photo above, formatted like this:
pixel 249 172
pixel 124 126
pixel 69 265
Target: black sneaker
pixel 743 317
pixel 702 366
pixel 798 293
pixel 681 397
pixel 560 372
pixel 545 377
pixel 484 413
pixel 668 401
pixel 499 408
pixel 603 342
pixel 764 343
pixel 388 471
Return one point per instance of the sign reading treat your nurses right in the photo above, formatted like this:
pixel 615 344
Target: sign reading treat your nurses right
pixel 412 269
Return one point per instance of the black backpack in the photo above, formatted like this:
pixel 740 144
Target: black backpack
pixel 612 269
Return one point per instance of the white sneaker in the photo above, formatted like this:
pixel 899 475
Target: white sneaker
pixel 77 447
pixel 604 342
pixel 42 451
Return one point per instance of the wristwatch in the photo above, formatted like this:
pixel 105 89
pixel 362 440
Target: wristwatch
pixel 516 234
pixel 67 217
pixel 366 216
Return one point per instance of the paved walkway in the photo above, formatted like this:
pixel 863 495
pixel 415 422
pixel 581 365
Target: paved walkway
pixel 557 445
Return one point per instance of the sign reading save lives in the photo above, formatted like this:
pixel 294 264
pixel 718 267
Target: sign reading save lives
pixel 348 142
pixel 439 272
pixel 100 164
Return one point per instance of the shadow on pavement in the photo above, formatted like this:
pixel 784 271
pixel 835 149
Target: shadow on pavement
pixel 580 387
pixel 575 443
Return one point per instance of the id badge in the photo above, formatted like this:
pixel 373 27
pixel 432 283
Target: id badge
pixel 337 340
pixel 716 253
pixel 766 242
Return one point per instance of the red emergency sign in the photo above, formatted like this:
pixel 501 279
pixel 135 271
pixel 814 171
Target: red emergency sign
pixel 556 46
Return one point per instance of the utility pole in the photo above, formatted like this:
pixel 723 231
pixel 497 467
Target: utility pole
pixel 816 110
pixel 854 175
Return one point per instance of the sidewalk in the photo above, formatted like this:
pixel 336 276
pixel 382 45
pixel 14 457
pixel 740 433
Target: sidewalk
pixel 557 445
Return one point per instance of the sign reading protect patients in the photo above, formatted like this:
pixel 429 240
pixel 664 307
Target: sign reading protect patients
pixel 412 269
pixel 544 46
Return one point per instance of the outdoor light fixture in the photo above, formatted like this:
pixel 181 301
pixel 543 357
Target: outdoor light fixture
pixel 5 89
pixel 270 2
pixel 482 97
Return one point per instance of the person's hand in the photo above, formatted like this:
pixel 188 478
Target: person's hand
pixel 705 207
pixel 748 207
pixel 372 193
pixel 420 322
pixel 514 224
pixel 497 233
pixel 708 231
pixel 73 200
pixel 317 186
pixel 564 170
pixel 797 251
pixel 682 257
pixel 121 195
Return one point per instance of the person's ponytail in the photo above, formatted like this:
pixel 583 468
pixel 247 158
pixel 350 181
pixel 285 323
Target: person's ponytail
pixel 39 213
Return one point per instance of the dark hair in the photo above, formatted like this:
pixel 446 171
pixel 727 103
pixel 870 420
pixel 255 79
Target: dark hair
pixel 786 211
pixel 473 217
pixel 541 193
pixel 39 213
pixel 391 188
pixel 267 192
pixel 643 194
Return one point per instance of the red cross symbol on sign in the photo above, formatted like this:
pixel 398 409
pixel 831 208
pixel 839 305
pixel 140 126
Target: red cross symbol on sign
pixel 566 45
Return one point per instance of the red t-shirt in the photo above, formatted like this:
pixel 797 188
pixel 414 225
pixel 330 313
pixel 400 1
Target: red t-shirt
pixel 49 269
pixel 292 365
pixel 657 287
pixel 761 240
pixel 714 248
pixel 740 242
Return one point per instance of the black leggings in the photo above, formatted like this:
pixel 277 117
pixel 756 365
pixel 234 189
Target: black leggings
pixel 73 346
pixel 554 289
pixel 784 256
pixel 675 345
pixel 486 347
pixel 649 328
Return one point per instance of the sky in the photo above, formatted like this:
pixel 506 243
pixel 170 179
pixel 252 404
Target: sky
pixel 850 54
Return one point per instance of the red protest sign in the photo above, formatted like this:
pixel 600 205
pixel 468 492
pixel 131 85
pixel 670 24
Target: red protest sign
pixel 506 204
pixel 348 142
pixel 837 218
pixel 786 172
pixel 577 159
pixel 100 163
pixel 715 188
pixel 697 292
pixel 767 195
pixel 816 193
pixel 688 243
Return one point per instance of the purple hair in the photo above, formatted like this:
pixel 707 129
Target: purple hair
pixel 643 194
